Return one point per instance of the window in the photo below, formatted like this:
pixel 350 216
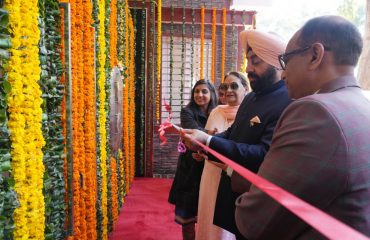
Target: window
pixel 180 99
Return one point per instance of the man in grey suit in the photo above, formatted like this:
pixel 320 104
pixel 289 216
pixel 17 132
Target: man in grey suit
pixel 320 149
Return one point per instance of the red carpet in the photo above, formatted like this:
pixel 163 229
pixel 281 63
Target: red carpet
pixel 146 214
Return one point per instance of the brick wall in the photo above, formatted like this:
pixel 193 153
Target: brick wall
pixel 165 157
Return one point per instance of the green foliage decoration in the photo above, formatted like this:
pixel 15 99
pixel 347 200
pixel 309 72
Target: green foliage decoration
pixel 52 94
pixel 171 53
pixel 121 44
pixel 99 209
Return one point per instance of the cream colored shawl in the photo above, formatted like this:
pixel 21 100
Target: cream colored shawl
pixel 222 117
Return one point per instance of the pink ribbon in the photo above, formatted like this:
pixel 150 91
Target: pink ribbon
pixel 319 220
pixel 181 148
pixel 161 130
pixel 166 124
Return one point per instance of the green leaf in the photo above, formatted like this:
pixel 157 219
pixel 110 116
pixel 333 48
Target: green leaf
pixel 5 43
pixel 7 87
pixel 5 157
pixel 4 54
pixel 4 18
pixel 11 182
pixel 43 50
pixel 5 166
pixel 2 115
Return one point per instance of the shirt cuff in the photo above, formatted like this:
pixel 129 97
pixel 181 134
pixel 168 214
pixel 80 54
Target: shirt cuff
pixel 208 141
pixel 229 171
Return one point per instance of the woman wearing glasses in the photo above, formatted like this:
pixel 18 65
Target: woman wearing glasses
pixel 221 118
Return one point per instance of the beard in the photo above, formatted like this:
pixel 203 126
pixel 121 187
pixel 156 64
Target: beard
pixel 266 80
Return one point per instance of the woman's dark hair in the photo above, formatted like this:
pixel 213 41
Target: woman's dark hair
pixel 336 33
pixel 241 77
pixel 213 99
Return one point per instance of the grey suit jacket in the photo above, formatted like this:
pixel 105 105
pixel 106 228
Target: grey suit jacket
pixel 321 153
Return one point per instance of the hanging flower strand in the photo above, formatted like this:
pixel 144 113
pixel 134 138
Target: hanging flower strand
pixel 102 117
pixel 182 57
pixel 171 53
pixel 213 70
pixel 201 42
pixel 25 119
pixel 254 23
pixel 159 59
pixel 233 40
pixel 192 48
pixel 223 44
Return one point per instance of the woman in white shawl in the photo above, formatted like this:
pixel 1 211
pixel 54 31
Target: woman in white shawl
pixel 221 118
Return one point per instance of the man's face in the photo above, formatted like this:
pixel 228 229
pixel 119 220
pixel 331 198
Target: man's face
pixel 222 96
pixel 296 75
pixel 261 75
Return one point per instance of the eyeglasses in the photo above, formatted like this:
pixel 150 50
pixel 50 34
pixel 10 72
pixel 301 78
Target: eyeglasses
pixel 233 86
pixel 284 58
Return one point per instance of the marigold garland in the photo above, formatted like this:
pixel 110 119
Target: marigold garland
pixel 113 33
pixel 88 85
pixel 25 115
pixel 114 189
pixel 99 206
pixel 125 101
pixel 122 174
pixel 192 48
pixel 243 67
pixel 159 60
pixel 78 109
pixel 254 23
pixel 201 42
pixel 213 71
pixel 102 117
pixel 9 201
pixel 243 64
pixel 233 40
pixel 223 44
pixel 76 73
pixel 122 55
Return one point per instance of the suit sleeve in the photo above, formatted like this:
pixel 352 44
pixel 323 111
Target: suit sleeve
pixel 187 118
pixel 302 160
pixel 248 155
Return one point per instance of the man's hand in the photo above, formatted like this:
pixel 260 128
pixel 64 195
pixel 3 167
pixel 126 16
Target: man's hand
pixel 189 135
